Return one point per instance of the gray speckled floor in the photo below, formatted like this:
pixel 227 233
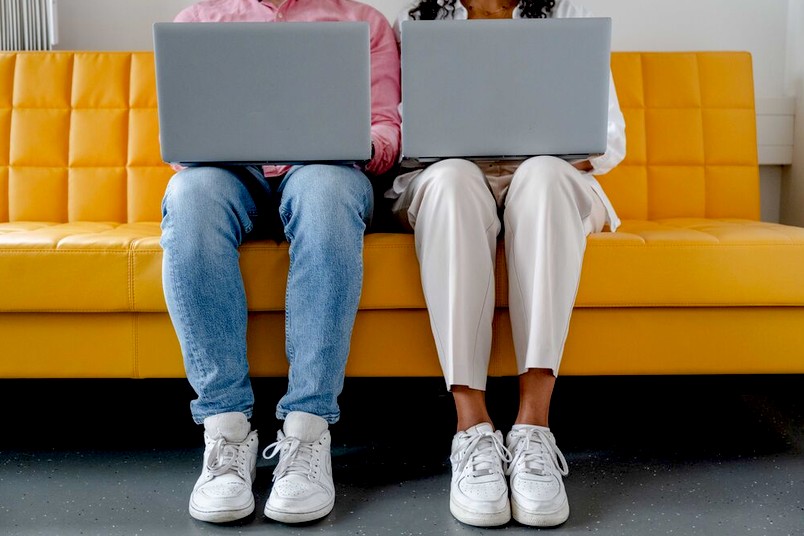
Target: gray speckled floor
pixel 679 456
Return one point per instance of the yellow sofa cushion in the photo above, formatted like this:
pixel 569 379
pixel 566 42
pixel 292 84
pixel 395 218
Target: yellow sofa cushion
pixel 676 262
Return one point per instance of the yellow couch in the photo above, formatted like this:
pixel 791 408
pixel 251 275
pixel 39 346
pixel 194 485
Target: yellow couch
pixel 692 283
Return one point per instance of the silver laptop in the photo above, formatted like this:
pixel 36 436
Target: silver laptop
pixel 499 89
pixel 263 93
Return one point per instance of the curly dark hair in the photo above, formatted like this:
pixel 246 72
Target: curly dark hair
pixel 433 10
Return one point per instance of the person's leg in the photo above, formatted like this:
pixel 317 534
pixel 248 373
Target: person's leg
pixel 470 406
pixel 206 213
pixel 549 211
pixel 545 239
pixel 325 210
pixel 535 392
pixel 454 217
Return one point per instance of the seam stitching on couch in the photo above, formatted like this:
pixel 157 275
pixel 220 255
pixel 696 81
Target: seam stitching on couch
pixel 599 245
pixel 134 346
pixel 607 305
pixel 130 277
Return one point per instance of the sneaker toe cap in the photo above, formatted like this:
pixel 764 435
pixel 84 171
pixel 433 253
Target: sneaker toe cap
pixel 488 497
pixel 298 495
pixel 296 488
pixel 538 493
pixel 224 490
pixel 222 497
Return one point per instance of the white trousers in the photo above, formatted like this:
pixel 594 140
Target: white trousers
pixel 453 207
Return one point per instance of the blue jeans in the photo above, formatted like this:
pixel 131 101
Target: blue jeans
pixel 207 212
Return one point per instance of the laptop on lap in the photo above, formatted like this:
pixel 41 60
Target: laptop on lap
pixel 263 93
pixel 505 89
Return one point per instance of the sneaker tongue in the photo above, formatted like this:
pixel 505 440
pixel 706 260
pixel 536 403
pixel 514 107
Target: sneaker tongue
pixel 480 428
pixel 306 427
pixel 482 461
pixel 234 427
pixel 533 464
pixel 530 427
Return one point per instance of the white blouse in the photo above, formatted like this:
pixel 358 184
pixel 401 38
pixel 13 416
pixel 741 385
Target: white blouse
pixel 615 144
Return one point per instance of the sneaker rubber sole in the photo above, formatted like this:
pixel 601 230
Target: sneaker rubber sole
pixel 298 517
pixel 539 519
pixel 221 516
pixel 480 519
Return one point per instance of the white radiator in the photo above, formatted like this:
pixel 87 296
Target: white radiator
pixel 27 24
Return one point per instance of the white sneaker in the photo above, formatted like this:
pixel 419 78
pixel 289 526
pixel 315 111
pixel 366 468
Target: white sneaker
pixel 303 488
pixel 538 497
pixel 478 493
pixel 223 491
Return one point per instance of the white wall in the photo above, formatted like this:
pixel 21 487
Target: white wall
pixel 112 24
pixel 770 191
pixel 757 26
pixel 792 181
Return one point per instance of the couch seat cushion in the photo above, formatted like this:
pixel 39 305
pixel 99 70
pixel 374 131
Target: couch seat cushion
pixel 677 262
pixel 81 267
pixel 694 262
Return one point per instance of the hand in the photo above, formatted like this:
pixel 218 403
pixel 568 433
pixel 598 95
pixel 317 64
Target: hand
pixel 583 165
pixel 365 163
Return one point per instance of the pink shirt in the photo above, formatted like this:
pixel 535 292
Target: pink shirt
pixel 385 89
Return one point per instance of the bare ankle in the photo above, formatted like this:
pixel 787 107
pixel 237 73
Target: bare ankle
pixel 470 405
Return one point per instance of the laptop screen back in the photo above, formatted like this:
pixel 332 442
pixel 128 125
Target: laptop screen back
pixel 262 93
pixel 505 88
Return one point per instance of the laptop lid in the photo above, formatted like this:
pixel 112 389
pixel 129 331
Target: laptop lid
pixel 263 93
pixel 501 89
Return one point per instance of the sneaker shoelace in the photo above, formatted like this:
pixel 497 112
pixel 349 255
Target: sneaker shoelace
pixel 539 450
pixel 295 456
pixel 481 450
pixel 224 457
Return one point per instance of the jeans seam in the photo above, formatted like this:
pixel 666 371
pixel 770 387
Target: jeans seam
pixel 368 195
pixel 319 352
pixel 289 351
pixel 190 339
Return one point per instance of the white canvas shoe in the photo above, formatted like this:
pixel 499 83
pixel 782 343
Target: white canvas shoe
pixel 478 493
pixel 303 489
pixel 538 497
pixel 223 491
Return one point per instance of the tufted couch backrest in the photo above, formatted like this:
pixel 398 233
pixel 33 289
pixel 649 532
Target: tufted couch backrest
pixel 79 137
pixel 691 136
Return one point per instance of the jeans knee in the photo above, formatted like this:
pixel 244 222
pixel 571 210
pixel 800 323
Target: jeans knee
pixel 328 197
pixel 204 202
pixel 196 189
pixel 320 183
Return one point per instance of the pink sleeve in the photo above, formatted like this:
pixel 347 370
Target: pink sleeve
pixel 187 14
pixel 385 96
